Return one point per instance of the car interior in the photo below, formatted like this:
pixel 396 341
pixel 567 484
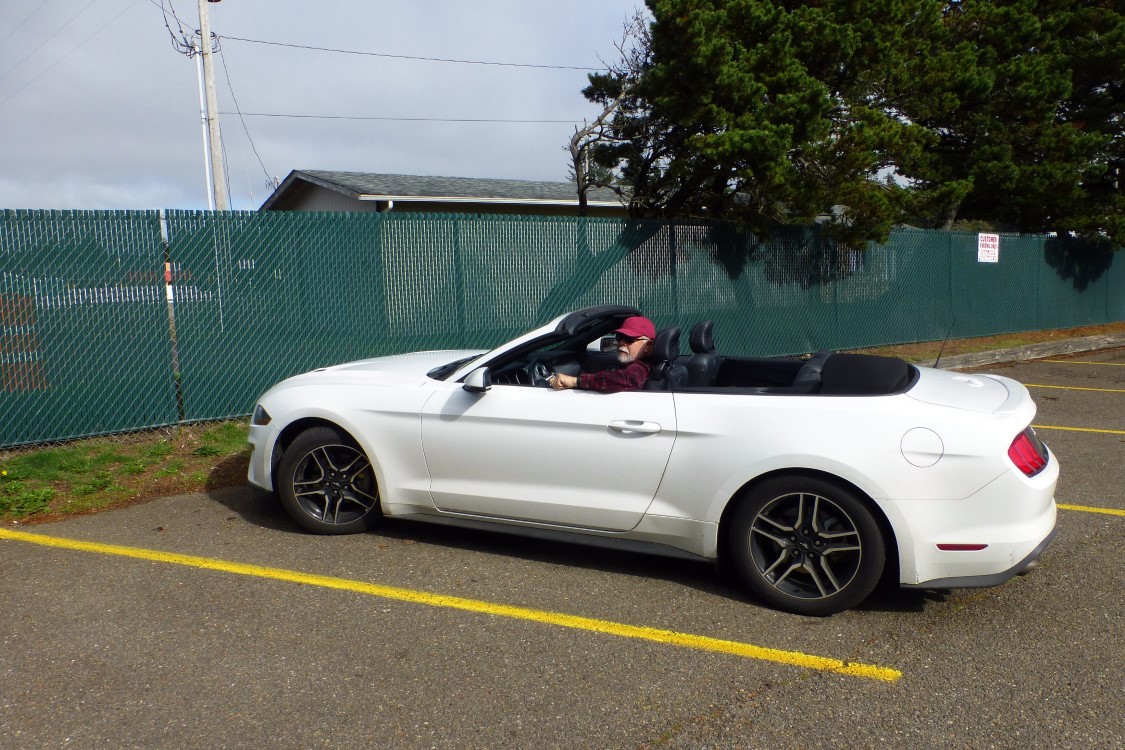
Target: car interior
pixel 587 345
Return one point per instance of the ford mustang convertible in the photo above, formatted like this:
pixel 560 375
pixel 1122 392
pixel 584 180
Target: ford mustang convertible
pixel 813 478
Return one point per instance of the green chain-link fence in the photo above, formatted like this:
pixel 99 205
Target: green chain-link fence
pixel 84 338
pixel 93 340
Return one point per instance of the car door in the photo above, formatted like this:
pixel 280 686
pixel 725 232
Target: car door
pixel 567 458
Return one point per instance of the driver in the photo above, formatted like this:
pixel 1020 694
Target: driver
pixel 634 347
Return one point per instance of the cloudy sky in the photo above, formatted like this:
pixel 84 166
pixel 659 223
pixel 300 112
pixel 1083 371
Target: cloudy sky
pixel 98 110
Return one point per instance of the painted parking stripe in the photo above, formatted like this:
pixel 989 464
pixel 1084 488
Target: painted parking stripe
pixel 1077 429
pixel 1076 388
pixel 1089 509
pixel 702 643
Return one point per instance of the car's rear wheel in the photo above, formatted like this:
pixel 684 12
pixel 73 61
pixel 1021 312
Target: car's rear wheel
pixel 807 545
pixel 327 484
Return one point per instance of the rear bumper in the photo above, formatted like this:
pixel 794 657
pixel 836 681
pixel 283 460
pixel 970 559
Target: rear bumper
pixel 991 579
pixel 1002 528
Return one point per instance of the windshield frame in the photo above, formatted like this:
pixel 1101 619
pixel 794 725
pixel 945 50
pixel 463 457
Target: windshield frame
pixel 442 372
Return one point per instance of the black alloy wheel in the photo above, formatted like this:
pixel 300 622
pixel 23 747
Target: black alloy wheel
pixel 807 546
pixel 327 484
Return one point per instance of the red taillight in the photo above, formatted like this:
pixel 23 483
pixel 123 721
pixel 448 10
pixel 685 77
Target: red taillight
pixel 1028 453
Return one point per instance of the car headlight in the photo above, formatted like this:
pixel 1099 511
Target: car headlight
pixel 261 416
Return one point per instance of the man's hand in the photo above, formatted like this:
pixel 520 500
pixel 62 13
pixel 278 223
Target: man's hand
pixel 561 382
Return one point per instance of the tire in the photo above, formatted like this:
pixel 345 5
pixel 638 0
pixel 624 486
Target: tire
pixel 327 484
pixel 807 545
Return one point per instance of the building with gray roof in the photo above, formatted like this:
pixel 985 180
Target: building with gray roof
pixel 315 190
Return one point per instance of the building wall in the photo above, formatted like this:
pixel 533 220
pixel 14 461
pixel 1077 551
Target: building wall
pixel 305 197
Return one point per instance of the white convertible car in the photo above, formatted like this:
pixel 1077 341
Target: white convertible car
pixel 813 478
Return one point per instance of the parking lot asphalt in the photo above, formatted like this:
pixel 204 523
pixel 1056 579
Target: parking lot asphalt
pixel 211 621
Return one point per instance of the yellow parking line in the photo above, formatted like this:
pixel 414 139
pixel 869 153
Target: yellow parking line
pixel 1076 388
pixel 1077 429
pixel 1079 362
pixel 702 643
pixel 1088 509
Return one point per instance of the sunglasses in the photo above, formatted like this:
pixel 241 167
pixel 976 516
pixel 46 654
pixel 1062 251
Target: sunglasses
pixel 630 339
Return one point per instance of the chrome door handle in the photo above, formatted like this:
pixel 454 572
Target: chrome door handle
pixel 634 425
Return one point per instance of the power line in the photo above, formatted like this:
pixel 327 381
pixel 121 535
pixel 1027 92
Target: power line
pixel 408 57
pixel 181 44
pixel 226 72
pixel 25 20
pixel 52 36
pixel 68 54
pixel 402 119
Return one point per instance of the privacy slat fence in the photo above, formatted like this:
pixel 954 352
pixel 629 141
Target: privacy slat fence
pixel 118 321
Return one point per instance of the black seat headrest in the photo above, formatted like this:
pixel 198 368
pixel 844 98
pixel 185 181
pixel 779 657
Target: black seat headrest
pixel 702 340
pixel 808 377
pixel 667 344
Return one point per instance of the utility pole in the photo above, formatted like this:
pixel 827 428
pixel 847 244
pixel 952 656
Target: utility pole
pixel 216 173
pixel 209 181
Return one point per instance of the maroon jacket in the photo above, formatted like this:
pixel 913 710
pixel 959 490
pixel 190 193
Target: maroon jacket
pixel 631 377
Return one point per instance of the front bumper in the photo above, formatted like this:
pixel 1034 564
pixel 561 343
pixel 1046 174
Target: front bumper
pixel 260 473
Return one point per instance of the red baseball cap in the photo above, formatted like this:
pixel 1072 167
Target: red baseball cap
pixel 637 326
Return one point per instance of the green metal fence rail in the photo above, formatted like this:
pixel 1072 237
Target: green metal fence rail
pixel 116 321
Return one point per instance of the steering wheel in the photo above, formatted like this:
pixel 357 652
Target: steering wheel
pixel 539 372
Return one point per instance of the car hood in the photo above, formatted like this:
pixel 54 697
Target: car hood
pixel 398 369
pixel 971 392
pixel 415 363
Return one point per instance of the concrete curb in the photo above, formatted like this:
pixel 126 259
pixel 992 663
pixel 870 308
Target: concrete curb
pixel 1032 351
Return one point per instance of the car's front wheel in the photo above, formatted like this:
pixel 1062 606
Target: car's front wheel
pixel 327 484
pixel 806 545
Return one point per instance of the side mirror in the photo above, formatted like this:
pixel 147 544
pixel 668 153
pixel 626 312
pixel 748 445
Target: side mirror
pixel 478 381
pixel 609 344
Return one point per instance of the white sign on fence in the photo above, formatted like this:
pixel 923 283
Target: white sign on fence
pixel 988 248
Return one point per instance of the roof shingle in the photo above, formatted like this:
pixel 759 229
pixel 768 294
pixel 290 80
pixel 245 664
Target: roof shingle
pixel 399 187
